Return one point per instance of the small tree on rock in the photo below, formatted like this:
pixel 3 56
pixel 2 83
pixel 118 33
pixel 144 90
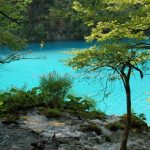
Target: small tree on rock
pixel 120 29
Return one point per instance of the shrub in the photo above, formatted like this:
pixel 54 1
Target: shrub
pixel 91 128
pixel 96 114
pixel 137 121
pixel 84 107
pixel 8 118
pixel 115 126
pixel 54 89
pixel 17 99
pixel 79 104
pixel 50 113
pixel 51 92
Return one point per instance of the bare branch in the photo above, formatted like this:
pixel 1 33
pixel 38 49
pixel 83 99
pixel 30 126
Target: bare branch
pixel 10 18
pixel 139 70
pixel 15 57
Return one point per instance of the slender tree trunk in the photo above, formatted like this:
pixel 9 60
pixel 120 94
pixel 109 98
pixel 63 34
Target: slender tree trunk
pixel 127 129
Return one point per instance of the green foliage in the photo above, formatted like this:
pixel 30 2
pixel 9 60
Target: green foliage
pixel 9 118
pixel 89 114
pixel 55 20
pixel 50 113
pixel 137 122
pixel 51 92
pixel 91 128
pixel 17 99
pixel 115 126
pixel 10 40
pixel 83 106
pixel 121 48
pixel 54 89
pixel 96 114
pixel 79 103
pixel 53 95
pixel 11 16
pixel 118 31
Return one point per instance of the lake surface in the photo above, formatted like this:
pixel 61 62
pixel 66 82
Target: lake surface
pixel 27 73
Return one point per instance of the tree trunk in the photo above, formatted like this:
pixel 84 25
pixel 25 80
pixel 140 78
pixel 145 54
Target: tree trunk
pixel 128 102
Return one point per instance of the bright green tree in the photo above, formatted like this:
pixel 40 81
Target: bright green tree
pixel 11 25
pixel 120 29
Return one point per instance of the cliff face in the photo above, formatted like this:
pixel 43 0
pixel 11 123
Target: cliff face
pixel 53 20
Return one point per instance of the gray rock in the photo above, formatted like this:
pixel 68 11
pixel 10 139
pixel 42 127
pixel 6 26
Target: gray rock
pixel 34 127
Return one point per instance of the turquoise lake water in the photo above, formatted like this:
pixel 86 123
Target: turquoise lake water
pixel 27 73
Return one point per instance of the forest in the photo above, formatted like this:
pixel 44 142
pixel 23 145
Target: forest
pixel 55 55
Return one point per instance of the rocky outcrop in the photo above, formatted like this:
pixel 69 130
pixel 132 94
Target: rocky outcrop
pixel 36 131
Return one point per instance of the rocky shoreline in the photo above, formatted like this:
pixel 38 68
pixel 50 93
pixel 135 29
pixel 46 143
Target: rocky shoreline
pixel 37 132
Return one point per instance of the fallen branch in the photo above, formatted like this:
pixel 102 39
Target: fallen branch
pixel 15 57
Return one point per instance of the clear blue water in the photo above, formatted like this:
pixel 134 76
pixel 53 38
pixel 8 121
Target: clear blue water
pixel 28 72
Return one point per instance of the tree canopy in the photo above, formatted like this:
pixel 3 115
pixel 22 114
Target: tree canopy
pixel 120 33
pixel 12 15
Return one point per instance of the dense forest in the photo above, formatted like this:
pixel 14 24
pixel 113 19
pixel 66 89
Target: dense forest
pixel 38 20
pixel 53 20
